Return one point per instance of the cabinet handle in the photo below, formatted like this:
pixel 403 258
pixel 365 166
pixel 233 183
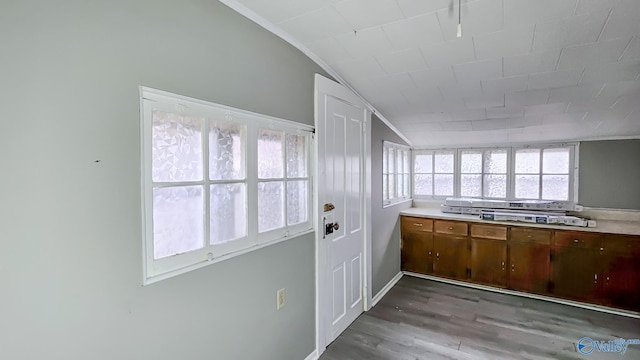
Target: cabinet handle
pixel 488 232
pixel 513 267
pixel 417 224
pixel 429 253
pixel 438 255
pixel 503 265
pixel 601 249
pixel 595 278
pixel 450 227
pixel 576 240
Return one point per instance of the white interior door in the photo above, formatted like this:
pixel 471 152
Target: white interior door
pixel 340 129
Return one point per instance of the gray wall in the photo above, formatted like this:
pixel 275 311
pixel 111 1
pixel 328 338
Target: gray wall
pixel 70 258
pixel 610 174
pixel 385 252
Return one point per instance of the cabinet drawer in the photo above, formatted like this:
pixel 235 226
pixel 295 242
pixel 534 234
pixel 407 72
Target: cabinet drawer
pixel 623 244
pixel 538 236
pixel 451 227
pixel 577 239
pixel 489 232
pixel 416 225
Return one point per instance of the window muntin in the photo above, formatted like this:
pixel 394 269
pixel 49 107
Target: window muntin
pixel 539 172
pixel 205 184
pixel 396 173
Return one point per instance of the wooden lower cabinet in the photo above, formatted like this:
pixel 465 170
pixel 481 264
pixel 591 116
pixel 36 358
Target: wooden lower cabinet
pixel 488 256
pixel 576 273
pixel 417 253
pixel 621 281
pixel 529 260
pixel 584 266
pixel 621 272
pixel 488 262
pixel 451 254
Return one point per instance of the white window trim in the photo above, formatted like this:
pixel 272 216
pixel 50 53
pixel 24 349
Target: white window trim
pixel 511 149
pixel 397 199
pixel 155 270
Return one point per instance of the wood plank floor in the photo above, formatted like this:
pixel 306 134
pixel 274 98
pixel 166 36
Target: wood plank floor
pixel 424 319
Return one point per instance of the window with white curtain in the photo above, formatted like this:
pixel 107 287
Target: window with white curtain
pixel 396 173
pixel 218 181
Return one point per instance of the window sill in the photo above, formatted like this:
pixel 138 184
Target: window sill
pixel 384 206
pixel 156 278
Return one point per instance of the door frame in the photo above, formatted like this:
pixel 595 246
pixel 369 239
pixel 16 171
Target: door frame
pixel 326 87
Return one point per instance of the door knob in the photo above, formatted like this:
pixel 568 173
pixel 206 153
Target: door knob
pixel 336 226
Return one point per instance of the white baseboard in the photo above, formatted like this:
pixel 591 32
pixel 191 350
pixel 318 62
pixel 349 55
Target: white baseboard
pixel 312 356
pixel 386 289
pixel 627 313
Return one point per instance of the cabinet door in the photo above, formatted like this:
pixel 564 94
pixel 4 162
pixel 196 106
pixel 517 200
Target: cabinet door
pixel 621 282
pixel 451 253
pixel 528 266
pixel 577 273
pixel 417 252
pixel 488 261
pixel 621 272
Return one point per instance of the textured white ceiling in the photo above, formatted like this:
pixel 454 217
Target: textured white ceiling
pixel 524 70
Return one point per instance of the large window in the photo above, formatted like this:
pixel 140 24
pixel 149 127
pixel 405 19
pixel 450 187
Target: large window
pixel 396 173
pixel 218 181
pixel 483 173
pixel 534 173
pixel 434 173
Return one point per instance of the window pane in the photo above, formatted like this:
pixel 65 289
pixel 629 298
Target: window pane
pixel 392 161
pixel 177 220
pixel 527 186
pixel 270 154
pixel 555 161
pixel 528 161
pixel 392 186
pixel 443 163
pixel 405 162
pixel 471 185
pixel 495 162
pixel 297 156
pixel 297 208
pixel 471 162
pixel 406 185
pixel 270 205
pixel 385 187
pixel 228 217
pixel 495 186
pixel 555 187
pixel 399 161
pixel 385 157
pixel 176 147
pixel 423 185
pixel 443 185
pixel 400 185
pixel 423 163
pixel 227 156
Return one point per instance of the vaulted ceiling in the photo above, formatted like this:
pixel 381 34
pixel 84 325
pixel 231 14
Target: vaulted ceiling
pixel 523 70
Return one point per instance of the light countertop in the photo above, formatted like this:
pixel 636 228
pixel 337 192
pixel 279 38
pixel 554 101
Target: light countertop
pixel 603 226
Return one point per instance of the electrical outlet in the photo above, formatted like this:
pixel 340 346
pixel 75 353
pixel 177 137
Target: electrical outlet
pixel 280 299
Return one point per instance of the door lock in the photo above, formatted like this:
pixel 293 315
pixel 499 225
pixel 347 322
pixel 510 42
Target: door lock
pixel 330 228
